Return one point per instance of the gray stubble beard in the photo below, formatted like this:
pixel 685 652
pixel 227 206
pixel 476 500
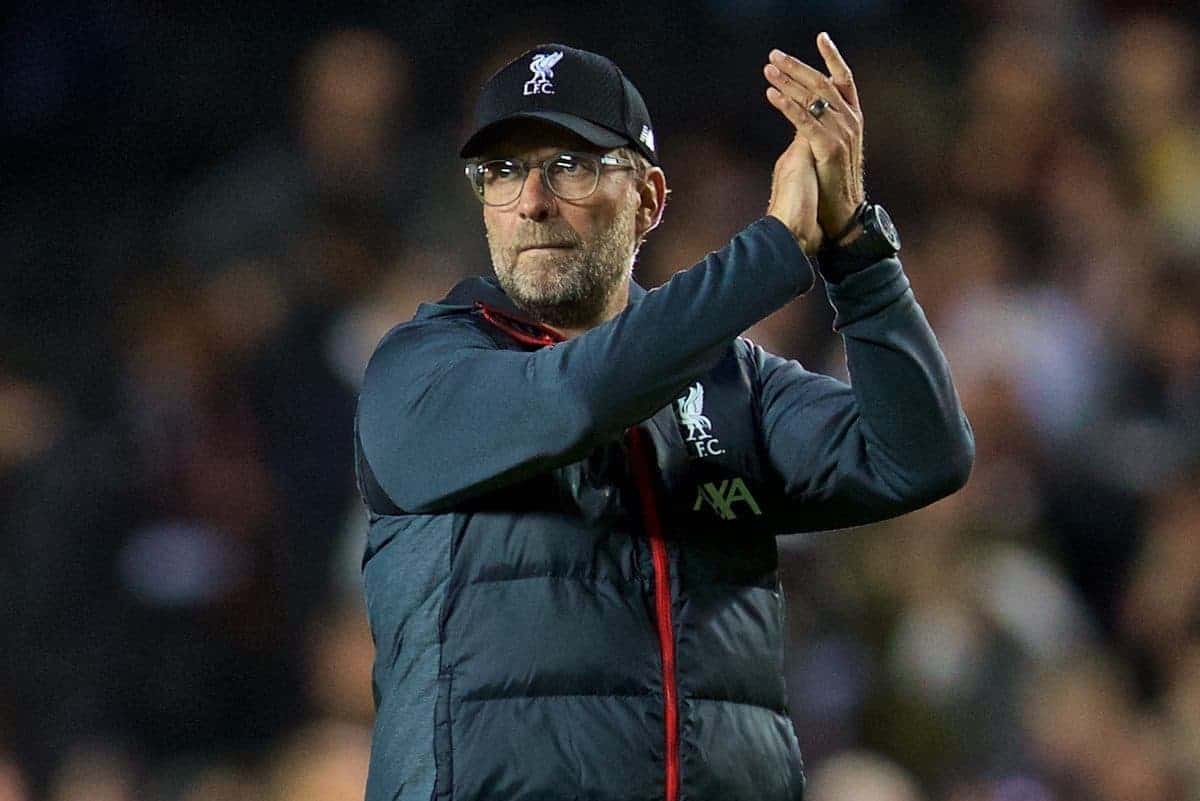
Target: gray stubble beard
pixel 575 291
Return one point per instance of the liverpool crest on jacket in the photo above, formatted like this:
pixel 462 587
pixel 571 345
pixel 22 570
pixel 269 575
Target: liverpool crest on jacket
pixel 699 428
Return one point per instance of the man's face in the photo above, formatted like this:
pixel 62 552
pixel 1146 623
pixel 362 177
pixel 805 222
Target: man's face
pixel 559 260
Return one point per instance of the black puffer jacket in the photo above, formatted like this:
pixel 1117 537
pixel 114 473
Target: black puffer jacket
pixel 571 568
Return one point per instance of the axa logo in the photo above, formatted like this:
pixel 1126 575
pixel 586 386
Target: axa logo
pixel 543 70
pixel 699 427
pixel 722 496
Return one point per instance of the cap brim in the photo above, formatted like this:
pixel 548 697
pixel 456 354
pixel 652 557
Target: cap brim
pixel 597 135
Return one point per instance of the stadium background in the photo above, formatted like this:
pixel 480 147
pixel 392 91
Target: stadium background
pixel 210 213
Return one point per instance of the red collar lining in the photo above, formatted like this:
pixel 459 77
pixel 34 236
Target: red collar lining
pixel 525 332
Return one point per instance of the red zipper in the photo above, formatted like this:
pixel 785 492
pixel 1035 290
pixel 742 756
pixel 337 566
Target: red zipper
pixel 639 451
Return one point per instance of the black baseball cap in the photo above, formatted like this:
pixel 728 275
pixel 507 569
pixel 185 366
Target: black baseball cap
pixel 578 90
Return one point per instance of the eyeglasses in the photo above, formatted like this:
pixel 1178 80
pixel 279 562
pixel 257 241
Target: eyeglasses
pixel 570 176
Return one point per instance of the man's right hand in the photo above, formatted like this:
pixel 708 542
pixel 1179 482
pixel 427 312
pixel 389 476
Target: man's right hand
pixel 794 192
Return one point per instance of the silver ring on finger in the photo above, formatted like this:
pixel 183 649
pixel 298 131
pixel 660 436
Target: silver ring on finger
pixel 818 107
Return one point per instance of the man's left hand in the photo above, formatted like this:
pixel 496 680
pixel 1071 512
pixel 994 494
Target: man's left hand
pixel 836 137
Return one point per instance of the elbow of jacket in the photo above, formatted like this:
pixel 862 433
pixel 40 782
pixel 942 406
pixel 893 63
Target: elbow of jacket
pixel 946 472
pixel 963 462
pixel 958 461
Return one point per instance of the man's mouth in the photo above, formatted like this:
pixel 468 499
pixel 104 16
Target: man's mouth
pixel 543 248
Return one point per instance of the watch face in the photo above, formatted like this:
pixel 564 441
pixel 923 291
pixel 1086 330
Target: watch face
pixel 883 224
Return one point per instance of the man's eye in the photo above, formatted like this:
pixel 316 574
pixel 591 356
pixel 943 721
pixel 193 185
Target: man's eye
pixel 568 165
pixel 497 171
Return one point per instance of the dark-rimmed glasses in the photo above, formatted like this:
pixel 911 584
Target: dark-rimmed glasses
pixel 569 175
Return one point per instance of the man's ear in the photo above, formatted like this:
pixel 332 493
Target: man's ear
pixel 652 196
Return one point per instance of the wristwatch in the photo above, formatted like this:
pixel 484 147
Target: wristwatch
pixel 878 240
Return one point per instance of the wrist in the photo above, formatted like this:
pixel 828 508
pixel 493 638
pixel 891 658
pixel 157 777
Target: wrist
pixel 809 242
pixel 849 230
pixel 873 236
pixel 855 232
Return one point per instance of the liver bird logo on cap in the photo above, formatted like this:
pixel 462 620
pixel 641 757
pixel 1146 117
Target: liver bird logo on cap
pixel 543 70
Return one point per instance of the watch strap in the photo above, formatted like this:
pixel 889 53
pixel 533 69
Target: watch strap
pixel 855 219
pixel 838 261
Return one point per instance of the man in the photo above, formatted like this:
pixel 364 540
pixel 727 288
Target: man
pixel 574 485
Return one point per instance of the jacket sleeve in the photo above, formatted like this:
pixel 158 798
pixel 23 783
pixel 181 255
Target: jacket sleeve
pixel 445 415
pixel 893 440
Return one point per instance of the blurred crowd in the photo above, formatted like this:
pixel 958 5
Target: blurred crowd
pixel 208 225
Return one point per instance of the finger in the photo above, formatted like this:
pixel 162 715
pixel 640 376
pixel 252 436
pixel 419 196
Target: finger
pixel 811 79
pixel 838 127
pixel 789 109
pixel 839 70
pixel 842 129
pixel 798 94
pixel 806 126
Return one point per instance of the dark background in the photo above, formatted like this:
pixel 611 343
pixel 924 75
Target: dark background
pixel 209 214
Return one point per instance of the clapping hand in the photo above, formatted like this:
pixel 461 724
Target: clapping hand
pixel 828 120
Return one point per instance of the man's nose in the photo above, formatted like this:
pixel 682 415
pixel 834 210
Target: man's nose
pixel 536 202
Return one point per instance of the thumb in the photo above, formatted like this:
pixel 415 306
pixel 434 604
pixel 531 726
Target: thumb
pixel 798 152
pixel 800 157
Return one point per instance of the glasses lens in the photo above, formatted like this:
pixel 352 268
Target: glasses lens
pixel 573 176
pixel 499 182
